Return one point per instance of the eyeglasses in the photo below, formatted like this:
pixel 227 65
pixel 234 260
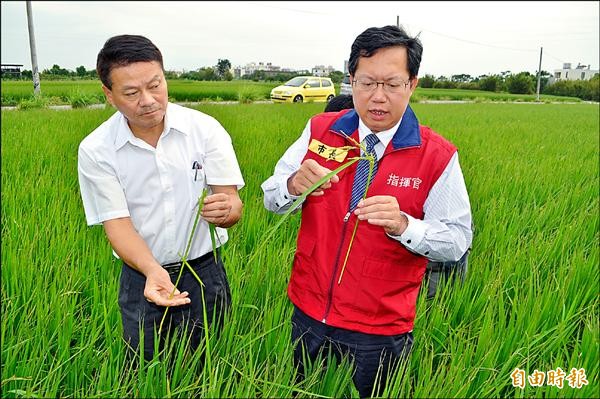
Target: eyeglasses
pixel 392 86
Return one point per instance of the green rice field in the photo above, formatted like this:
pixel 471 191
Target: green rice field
pixel 61 91
pixel 90 91
pixel 529 302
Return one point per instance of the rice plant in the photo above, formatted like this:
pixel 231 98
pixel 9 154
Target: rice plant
pixel 529 302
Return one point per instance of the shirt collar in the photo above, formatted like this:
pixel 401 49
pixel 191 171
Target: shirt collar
pixel 384 136
pixel 172 123
pixel 405 133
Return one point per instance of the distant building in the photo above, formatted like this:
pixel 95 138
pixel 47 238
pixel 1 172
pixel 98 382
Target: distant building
pixel 345 66
pixel 321 70
pixel 268 68
pixel 252 67
pixel 581 72
pixel 12 70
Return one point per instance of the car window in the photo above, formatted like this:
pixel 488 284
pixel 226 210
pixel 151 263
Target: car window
pixel 346 79
pixel 296 82
pixel 325 83
pixel 313 83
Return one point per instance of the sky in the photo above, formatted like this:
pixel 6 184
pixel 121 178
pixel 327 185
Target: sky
pixel 474 38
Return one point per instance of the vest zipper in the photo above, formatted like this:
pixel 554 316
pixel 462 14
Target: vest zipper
pixel 339 250
pixel 335 265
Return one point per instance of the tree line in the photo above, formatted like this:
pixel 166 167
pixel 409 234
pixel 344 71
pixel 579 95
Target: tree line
pixel 515 83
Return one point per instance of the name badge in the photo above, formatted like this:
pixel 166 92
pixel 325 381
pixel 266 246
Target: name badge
pixel 332 153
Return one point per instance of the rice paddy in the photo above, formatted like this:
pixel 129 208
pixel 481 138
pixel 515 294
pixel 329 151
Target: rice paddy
pixel 90 92
pixel 529 301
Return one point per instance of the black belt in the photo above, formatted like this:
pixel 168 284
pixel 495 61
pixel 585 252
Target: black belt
pixel 175 267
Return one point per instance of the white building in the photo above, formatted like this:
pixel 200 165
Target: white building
pixel 252 67
pixel 581 72
pixel 322 70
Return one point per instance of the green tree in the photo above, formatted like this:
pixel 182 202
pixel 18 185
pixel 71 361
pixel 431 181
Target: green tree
pixel 442 82
pixel 258 75
pixel 56 70
pixel 81 71
pixel 544 78
pixel 584 89
pixel 336 76
pixel 222 67
pixel 490 83
pixel 521 83
pixel 207 73
pixel 171 75
pixel 283 76
pixel 462 78
pixel 188 75
pixel 427 81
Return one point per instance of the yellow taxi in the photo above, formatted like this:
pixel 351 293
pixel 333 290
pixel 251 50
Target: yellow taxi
pixel 304 88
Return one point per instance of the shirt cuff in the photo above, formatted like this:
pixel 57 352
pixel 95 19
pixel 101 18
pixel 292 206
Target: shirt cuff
pixel 284 197
pixel 413 235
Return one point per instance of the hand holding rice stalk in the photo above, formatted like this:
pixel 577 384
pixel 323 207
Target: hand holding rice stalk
pixel 185 263
pixel 318 185
pixel 369 157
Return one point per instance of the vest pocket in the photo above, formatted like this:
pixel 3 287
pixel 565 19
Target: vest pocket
pixel 386 292
pixel 301 271
pixel 304 280
pixel 385 270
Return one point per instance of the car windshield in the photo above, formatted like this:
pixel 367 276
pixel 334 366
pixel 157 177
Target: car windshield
pixel 296 82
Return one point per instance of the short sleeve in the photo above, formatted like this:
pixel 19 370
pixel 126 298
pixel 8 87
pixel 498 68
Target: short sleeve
pixel 101 192
pixel 222 168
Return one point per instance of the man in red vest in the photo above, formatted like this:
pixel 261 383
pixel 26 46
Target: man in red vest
pixel 355 291
pixel 435 272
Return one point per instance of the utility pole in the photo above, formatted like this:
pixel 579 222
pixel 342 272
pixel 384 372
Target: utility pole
pixel 539 77
pixel 397 21
pixel 34 66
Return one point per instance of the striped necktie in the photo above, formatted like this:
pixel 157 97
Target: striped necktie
pixel 362 171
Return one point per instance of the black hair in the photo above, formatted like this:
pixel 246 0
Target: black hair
pixel 338 103
pixel 367 43
pixel 123 50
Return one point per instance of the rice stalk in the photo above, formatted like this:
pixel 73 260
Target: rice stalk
pixel 298 202
pixel 185 255
pixel 371 160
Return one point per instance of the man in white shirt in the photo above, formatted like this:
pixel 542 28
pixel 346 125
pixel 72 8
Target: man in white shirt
pixel 355 291
pixel 141 175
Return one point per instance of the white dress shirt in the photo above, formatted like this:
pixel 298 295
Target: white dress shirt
pixel 445 232
pixel 120 175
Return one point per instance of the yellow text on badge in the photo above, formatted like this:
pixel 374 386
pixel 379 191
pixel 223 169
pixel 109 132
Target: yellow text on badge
pixel 333 153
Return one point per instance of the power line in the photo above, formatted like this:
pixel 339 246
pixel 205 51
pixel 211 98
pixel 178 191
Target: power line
pixel 494 46
pixel 479 43
pixel 556 58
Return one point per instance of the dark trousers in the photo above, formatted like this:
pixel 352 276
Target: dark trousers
pixel 371 354
pixel 444 271
pixel 141 317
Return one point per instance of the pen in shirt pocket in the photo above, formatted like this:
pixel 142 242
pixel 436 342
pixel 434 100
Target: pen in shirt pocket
pixel 196 166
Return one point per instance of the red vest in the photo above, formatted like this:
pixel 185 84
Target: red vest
pixel 380 284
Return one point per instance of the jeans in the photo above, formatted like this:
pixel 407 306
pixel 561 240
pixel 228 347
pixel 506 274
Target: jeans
pixel 139 314
pixel 370 353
